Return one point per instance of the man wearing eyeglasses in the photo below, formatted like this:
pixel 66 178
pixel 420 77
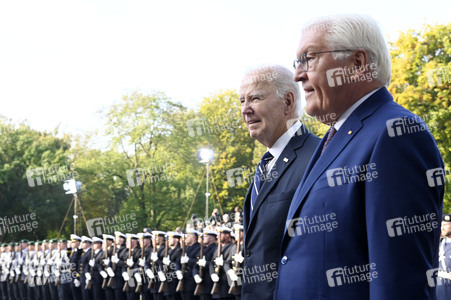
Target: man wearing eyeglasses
pixel 364 221
pixel 270 106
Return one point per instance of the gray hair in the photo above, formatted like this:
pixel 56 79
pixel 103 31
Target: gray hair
pixel 281 80
pixel 355 32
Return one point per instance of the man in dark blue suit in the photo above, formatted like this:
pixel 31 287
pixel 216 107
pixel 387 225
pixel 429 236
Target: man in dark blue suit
pixel 270 106
pixel 364 221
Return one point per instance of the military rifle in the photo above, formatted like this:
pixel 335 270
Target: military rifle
pixel 91 271
pixel 236 265
pixel 180 285
pixel 215 289
pixel 198 290
pixel 162 288
pixel 126 286
pixel 105 280
pixel 58 278
pixel 111 281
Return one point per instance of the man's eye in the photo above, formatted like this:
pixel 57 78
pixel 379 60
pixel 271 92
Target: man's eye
pixel 256 98
pixel 308 58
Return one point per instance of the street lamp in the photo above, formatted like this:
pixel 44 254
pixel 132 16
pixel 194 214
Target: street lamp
pixel 72 187
pixel 205 155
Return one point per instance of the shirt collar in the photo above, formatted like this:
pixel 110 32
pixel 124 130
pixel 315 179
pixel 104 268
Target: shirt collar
pixel 281 143
pixel 353 107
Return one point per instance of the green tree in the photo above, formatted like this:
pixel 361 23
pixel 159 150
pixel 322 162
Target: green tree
pixel 421 66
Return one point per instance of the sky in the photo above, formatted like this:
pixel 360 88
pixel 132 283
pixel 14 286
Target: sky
pixel 63 62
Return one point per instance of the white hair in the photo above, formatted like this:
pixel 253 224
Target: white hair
pixel 281 79
pixel 355 32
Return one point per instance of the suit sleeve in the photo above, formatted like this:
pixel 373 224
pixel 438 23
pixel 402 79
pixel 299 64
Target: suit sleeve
pixel 403 255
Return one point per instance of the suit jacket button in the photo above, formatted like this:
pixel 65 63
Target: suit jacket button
pixel 247 253
pixel 284 260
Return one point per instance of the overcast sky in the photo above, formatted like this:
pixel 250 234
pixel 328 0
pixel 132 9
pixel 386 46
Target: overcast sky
pixel 61 62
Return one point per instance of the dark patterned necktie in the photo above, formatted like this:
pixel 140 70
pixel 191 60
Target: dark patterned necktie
pixel 259 177
pixel 332 132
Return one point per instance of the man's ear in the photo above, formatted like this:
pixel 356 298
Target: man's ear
pixel 289 103
pixel 360 61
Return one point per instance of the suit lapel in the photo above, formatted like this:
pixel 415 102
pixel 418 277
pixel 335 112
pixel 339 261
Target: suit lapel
pixel 319 163
pixel 285 159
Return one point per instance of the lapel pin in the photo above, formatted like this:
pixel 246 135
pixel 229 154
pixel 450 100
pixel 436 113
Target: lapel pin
pixel 350 132
pixel 285 159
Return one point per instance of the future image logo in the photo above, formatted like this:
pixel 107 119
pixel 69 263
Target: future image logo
pixel 409 225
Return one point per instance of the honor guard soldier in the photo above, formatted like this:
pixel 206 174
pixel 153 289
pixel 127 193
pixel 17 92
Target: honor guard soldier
pixel 118 265
pixel 38 279
pixel 106 271
pixel 187 262
pixel 221 268
pixel 29 272
pixel 237 262
pixel 83 267
pixel 74 261
pixel 4 271
pixel 144 263
pixel 157 263
pixel 94 269
pixel 51 257
pixel 201 271
pixel 21 262
pixel 174 252
pixel 62 272
pixel 444 273
pixel 15 270
pixel 132 278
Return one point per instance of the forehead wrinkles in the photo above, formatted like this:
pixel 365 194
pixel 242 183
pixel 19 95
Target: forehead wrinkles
pixel 254 88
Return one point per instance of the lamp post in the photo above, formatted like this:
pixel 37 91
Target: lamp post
pixel 72 187
pixel 205 155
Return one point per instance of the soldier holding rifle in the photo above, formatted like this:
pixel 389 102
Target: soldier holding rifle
pixel 132 278
pixel 187 263
pixel 157 262
pixel 221 269
pixel 95 268
pixel 105 269
pixel 74 261
pixel 201 270
pixel 119 265
pixel 83 267
pixel 144 263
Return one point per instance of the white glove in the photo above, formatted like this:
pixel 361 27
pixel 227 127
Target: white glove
pixel 444 275
pixel 130 262
pixel 91 263
pixel 238 258
pixel 166 260
pixel 88 276
pixel 202 262
pixel 20 260
pixel 161 276
pixel 150 274
pixel 141 262
pixel 106 261
pixel 138 277
pixel 50 261
pixel 125 276
pixel 110 272
pixel 197 278
pixel 115 259
pixel 25 272
pixel 232 275
pixel 184 259
pixel 76 282
pixel 13 274
pixel 179 274
pixel 18 271
pixel 57 273
pixel 32 272
pixel 103 274
pixel 39 273
pixel 219 261
pixel 42 262
pixel 214 277
pixel 154 256
pixel 46 273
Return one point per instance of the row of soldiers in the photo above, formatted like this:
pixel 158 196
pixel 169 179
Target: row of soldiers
pixel 156 265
